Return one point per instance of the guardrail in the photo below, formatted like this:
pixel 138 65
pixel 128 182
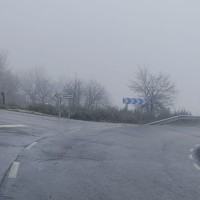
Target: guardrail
pixel 174 119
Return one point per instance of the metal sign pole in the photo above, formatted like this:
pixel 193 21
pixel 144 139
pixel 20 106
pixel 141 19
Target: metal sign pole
pixel 126 107
pixel 3 98
pixel 69 111
pixel 138 103
pixel 60 96
pixel 60 104
pixel 141 118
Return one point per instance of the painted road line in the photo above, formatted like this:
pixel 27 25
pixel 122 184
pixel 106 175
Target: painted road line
pixel 191 157
pixel 31 145
pixel 196 166
pixel 191 150
pixel 14 170
pixel 12 126
pixel 74 130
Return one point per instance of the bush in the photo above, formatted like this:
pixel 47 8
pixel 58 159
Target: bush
pixel 43 108
pixel 109 114
pixel 182 111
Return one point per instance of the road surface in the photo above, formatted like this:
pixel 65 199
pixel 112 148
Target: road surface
pixel 45 158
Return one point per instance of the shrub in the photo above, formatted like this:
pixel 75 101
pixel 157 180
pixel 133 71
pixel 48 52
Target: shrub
pixel 43 108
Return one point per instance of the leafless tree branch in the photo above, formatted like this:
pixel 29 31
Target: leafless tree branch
pixel 159 90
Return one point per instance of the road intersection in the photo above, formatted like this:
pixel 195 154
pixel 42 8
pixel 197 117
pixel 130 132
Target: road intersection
pixel 51 158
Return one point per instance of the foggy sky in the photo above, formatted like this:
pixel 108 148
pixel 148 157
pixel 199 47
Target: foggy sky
pixel 105 40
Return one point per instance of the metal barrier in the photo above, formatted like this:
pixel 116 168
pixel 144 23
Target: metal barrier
pixel 174 119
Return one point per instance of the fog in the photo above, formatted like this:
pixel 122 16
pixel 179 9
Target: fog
pixel 105 40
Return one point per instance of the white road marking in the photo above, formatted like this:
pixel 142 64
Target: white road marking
pixel 74 130
pixel 31 145
pixel 196 166
pixel 191 157
pixel 12 126
pixel 191 150
pixel 14 170
pixel 197 145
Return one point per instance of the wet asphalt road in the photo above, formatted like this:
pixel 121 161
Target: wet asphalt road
pixel 66 159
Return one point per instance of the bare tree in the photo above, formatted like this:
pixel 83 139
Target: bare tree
pixel 9 86
pixel 157 89
pixel 45 87
pixel 28 85
pixel 3 63
pixel 6 82
pixel 95 95
pixel 37 86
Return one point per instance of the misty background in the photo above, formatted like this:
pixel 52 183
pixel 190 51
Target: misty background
pixel 105 40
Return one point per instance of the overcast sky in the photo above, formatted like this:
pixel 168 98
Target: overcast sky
pixel 106 39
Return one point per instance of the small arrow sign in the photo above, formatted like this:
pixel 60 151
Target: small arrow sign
pixel 134 101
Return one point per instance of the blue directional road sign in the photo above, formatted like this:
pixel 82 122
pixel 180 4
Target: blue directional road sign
pixel 135 101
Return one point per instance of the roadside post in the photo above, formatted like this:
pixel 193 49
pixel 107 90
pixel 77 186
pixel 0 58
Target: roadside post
pixel 61 96
pixel 69 97
pixel 60 104
pixel 3 98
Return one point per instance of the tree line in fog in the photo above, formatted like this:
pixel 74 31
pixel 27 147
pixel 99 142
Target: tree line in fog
pixel 35 86
pixel 35 90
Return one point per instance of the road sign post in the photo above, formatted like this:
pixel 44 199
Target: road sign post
pixel 126 107
pixel 61 96
pixel 60 104
pixel 137 102
pixel 3 98
pixel 69 109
